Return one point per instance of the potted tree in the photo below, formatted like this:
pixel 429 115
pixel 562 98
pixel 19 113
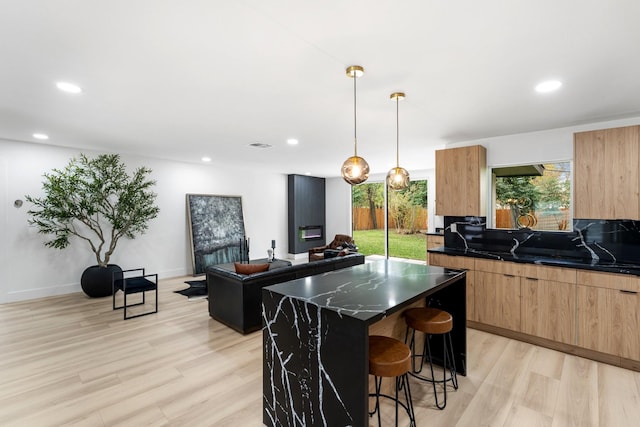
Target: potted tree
pixel 95 200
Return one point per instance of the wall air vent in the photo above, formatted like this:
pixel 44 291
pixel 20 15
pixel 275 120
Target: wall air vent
pixel 260 145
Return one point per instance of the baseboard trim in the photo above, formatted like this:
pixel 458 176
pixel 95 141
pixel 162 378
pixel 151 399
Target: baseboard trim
pixel 34 293
pixel 43 292
pixel 554 345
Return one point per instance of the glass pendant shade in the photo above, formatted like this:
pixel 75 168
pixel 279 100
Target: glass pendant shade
pixel 398 178
pixel 355 170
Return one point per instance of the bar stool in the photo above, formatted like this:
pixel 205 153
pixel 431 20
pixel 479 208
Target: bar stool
pixel 389 357
pixel 432 321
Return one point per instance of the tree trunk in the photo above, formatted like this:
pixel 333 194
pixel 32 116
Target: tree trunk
pixel 372 208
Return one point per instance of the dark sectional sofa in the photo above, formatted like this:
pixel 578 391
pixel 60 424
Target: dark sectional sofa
pixel 236 299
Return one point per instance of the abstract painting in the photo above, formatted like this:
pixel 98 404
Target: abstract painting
pixel 217 229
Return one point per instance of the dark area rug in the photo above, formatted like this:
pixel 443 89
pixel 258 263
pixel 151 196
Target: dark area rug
pixel 197 289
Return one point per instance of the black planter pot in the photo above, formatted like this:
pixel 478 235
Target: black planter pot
pixel 96 280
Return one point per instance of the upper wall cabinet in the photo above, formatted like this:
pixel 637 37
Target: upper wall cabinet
pixel 461 181
pixel 606 177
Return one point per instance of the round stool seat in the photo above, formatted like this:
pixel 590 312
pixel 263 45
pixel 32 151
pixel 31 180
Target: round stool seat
pixel 429 320
pixel 388 357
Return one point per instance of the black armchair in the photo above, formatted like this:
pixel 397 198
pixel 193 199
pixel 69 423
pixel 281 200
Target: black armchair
pixel 134 281
pixel 341 240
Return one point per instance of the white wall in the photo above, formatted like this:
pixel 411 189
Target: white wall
pixel 542 146
pixel 338 207
pixel 30 270
pixel 524 148
pixel 537 147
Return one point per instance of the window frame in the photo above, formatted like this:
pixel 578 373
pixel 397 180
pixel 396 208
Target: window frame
pixel 491 202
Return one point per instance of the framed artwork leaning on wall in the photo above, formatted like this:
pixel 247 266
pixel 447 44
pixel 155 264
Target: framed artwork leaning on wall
pixel 217 229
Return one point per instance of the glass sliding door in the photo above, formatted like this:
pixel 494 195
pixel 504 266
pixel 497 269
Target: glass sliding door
pixel 407 211
pixel 405 236
pixel 368 218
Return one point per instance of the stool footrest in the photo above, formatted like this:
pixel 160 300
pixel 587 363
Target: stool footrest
pixel 404 405
pixel 453 379
pixel 402 383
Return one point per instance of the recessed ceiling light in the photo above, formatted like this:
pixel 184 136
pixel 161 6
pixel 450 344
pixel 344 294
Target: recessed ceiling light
pixel 68 87
pixel 260 145
pixel 206 159
pixel 548 86
pixel 292 141
pixel 307 173
pixel 41 136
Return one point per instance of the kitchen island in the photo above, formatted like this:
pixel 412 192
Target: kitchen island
pixel 316 329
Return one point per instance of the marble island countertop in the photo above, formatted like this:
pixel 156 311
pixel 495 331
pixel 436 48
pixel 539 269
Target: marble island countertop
pixel 550 260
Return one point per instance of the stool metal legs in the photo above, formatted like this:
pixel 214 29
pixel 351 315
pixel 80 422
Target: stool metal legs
pixel 402 382
pixel 448 363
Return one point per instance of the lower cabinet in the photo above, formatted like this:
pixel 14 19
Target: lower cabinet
pixel 630 324
pixel 599 320
pixel 498 293
pixel 434 241
pixel 497 298
pixel 609 314
pixel 587 310
pixel 459 263
pixel 548 309
pixel 549 302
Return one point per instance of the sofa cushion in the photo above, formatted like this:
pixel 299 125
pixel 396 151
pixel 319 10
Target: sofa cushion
pixel 250 268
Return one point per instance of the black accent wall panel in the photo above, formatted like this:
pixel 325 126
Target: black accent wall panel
pixel 306 207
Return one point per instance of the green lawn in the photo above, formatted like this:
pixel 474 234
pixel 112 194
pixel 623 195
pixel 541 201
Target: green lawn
pixel 411 246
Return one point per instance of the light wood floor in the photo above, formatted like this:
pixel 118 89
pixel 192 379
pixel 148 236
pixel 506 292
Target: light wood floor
pixel 71 360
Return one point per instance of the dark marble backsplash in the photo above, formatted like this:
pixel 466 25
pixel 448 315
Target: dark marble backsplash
pixel 592 240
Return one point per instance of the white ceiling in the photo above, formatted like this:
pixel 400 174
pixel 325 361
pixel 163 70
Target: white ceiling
pixel 183 79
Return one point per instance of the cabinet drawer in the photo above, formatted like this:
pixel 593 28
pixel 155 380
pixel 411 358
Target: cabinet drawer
pixel 434 241
pixel 621 282
pixel 450 261
pixel 543 272
pixel 499 267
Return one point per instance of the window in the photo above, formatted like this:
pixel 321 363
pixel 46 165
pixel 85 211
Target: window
pixel 407 217
pixel 533 196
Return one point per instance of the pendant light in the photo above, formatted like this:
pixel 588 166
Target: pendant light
pixel 355 170
pixel 397 178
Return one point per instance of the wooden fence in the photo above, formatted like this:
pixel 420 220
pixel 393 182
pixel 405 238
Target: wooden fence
pixel 362 219
pixel 543 222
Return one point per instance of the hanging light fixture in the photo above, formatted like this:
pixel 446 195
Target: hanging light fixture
pixel 397 178
pixel 355 170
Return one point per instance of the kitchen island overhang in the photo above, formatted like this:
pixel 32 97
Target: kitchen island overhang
pixel 315 336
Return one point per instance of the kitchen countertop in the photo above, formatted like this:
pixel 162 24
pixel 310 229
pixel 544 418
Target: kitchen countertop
pixel 583 264
pixel 371 291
